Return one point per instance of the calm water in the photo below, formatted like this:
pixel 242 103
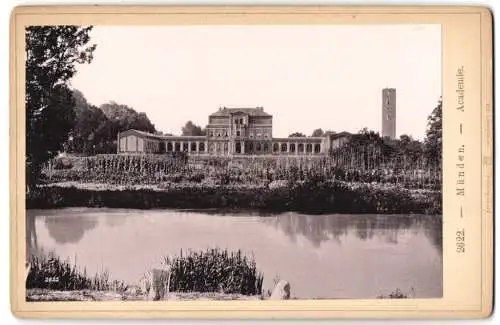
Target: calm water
pixel 322 256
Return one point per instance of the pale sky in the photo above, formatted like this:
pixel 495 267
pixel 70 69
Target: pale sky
pixel 307 77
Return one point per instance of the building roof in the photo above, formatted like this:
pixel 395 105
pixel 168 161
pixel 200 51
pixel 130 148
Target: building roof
pixel 252 111
pixel 160 136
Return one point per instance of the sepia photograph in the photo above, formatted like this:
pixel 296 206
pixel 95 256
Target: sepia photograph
pixel 233 162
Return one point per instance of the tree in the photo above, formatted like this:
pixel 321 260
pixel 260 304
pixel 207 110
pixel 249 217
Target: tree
pixel 52 53
pixel 92 128
pixel 126 118
pixel 297 134
pixel 192 129
pixel 95 128
pixel 434 134
pixel 318 133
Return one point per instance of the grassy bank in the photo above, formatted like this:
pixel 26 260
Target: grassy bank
pixel 220 274
pixel 304 196
pixel 50 272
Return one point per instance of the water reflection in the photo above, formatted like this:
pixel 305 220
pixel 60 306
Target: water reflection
pixel 318 229
pixel 32 248
pixel 69 230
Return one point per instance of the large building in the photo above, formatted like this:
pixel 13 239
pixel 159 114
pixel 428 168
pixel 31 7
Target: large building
pixel 389 113
pixel 231 131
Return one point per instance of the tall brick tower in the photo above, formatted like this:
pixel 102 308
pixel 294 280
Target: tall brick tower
pixel 389 113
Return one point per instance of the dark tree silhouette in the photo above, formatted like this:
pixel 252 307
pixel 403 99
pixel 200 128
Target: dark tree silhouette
pixel 52 53
pixel 296 134
pixel 192 129
pixel 318 133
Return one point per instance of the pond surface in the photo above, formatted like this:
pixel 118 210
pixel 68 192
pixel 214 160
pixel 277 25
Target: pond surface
pixel 322 256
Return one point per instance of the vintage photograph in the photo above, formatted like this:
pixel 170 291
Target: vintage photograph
pixel 233 162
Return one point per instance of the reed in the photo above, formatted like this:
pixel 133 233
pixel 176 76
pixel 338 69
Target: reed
pixel 214 270
pixel 50 272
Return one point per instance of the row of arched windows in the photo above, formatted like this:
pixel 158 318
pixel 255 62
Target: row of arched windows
pixel 250 147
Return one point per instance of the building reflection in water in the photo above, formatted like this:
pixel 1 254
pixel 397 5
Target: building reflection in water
pixel 321 228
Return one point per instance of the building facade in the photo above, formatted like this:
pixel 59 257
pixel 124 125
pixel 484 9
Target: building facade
pixel 231 131
pixel 389 113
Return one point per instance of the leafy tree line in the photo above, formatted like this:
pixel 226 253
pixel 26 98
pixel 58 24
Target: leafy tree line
pixel 96 128
pixel 406 146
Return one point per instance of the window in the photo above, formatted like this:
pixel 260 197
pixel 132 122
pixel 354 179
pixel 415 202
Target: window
pixel 241 121
pixel 251 134
pixel 283 147
pixel 266 147
pixel 225 134
pixel 236 121
pixel 276 147
pixel 309 147
pixel 292 147
pixel 317 148
pixel 250 146
pixel 258 147
pixel 238 133
pixel 211 133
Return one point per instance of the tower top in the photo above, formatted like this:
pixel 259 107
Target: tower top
pixel 389 113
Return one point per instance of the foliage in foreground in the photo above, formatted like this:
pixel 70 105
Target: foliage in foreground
pixel 50 272
pixel 214 270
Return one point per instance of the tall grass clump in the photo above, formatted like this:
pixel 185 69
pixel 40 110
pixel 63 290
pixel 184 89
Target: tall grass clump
pixel 214 270
pixel 50 272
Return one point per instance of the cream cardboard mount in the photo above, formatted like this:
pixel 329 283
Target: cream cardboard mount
pixel 118 212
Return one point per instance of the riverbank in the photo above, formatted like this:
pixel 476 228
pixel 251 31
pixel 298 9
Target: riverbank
pixel 41 295
pixel 332 196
